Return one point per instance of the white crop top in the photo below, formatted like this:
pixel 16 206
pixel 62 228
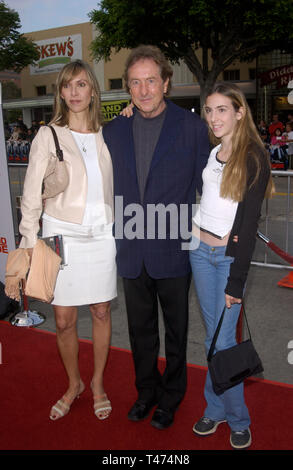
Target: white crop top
pixel 214 214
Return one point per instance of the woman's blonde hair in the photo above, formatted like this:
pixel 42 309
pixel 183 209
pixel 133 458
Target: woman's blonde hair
pixel 246 144
pixel 61 111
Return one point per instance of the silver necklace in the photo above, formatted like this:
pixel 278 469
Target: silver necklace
pixel 82 142
pixel 83 147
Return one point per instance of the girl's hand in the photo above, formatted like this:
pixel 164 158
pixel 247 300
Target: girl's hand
pixel 231 300
pixel 128 111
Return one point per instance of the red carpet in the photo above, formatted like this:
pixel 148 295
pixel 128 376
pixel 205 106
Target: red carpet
pixel 33 379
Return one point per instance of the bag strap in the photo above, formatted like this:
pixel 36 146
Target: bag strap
pixel 59 152
pixel 213 344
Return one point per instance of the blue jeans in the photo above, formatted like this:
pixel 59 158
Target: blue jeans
pixel 210 269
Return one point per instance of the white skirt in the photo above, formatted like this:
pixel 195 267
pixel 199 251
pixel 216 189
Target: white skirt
pixel 89 275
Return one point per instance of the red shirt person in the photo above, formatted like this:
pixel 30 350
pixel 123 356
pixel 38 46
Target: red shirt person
pixel 276 124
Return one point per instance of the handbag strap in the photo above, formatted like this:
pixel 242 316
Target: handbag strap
pixel 59 152
pixel 213 344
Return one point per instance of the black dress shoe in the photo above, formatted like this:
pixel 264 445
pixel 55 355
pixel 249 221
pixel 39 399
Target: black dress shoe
pixel 140 410
pixel 163 418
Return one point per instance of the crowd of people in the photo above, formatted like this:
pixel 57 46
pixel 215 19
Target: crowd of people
pixel 278 139
pixel 157 155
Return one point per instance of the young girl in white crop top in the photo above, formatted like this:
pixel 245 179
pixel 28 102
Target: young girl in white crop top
pixel 235 181
pixel 216 214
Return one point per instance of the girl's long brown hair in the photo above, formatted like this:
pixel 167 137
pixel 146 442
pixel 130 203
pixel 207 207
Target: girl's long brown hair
pixel 61 112
pixel 246 144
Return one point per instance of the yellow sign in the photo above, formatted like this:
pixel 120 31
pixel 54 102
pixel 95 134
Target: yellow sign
pixel 110 109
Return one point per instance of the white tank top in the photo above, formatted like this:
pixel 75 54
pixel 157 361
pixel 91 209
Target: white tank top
pixel 95 208
pixel 214 214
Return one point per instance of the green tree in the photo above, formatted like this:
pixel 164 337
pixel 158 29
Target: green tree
pixel 208 35
pixel 16 51
pixel 10 90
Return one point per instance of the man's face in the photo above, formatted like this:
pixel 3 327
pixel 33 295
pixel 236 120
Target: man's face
pixel 147 87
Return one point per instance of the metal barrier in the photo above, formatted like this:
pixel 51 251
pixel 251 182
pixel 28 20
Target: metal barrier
pixel 284 174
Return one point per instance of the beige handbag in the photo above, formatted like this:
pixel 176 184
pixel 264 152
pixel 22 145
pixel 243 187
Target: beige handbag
pixel 17 266
pixel 56 177
pixel 42 271
pixel 42 276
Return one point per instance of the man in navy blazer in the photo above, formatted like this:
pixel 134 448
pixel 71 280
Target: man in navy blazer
pixel 158 155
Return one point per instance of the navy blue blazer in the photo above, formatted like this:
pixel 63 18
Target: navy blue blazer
pixel 175 173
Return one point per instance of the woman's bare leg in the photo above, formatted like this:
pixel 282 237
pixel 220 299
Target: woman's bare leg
pixel 101 317
pixel 67 342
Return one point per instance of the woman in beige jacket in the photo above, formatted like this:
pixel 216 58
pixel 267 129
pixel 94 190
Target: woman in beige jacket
pixel 83 215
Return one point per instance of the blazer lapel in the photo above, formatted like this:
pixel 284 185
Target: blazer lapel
pixel 99 143
pixel 127 145
pixel 71 144
pixel 105 164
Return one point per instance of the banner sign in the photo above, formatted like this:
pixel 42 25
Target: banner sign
pixel 111 109
pixel 7 240
pixel 18 151
pixel 56 52
pixel 281 75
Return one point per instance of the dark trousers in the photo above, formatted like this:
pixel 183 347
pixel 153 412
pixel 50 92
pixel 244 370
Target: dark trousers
pixel 141 295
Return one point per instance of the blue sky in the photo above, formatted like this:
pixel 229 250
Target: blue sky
pixel 45 14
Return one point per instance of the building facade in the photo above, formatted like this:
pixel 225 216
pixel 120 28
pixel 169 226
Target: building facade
pixel 59 46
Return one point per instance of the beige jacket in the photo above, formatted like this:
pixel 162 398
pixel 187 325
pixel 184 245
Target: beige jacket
pixel 68 206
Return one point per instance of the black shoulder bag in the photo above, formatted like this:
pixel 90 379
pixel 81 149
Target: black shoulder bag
pixel 231 366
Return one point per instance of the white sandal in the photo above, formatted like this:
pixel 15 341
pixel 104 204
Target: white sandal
pixel 102 407
pixel 62 407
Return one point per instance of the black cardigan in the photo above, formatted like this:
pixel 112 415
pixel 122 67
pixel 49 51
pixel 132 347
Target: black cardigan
pixel 245 227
